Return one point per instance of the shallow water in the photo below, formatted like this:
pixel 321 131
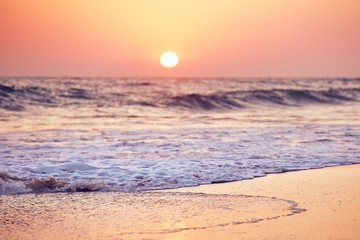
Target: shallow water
pixel 131 215
pixel 83 134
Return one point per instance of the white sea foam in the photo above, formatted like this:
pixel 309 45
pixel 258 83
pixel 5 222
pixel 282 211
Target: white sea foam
pixel 147 159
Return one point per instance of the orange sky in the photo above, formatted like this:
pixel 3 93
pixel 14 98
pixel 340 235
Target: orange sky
pixel 256 38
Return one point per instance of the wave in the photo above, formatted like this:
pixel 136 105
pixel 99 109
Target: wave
pixel 284 97
pixel 17 99
pixel 77 93
pixel 205 102
pixel 20 98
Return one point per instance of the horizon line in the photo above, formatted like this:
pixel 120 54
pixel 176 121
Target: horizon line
pixel 176 77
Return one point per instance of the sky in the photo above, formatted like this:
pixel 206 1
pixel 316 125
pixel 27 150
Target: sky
pixel 213 38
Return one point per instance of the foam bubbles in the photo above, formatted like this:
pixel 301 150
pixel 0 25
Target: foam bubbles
pixel 149 159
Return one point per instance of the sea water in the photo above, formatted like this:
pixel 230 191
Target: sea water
pixel 133 134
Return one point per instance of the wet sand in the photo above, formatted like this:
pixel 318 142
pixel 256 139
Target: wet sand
pixel 312 204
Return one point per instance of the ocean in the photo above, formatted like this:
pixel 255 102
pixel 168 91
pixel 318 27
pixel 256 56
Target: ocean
pixel 133 134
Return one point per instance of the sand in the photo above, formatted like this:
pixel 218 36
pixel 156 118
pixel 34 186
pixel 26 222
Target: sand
pixel 311 204
pixel 331 197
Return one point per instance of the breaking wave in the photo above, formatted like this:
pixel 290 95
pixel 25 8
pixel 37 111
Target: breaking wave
pixel 13 185
pixel 241 99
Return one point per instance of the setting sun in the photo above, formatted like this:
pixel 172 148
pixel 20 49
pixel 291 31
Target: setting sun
pixel 169 59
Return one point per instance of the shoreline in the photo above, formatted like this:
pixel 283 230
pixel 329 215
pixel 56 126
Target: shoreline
pixel 270 207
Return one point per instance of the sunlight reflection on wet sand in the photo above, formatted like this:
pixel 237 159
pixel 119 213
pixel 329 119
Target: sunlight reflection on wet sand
pixel 105 215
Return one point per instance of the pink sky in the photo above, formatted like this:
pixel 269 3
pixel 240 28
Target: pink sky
pixel 235 38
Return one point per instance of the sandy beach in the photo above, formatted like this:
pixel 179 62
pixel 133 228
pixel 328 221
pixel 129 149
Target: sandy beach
pixel 312 204
pixel 331 197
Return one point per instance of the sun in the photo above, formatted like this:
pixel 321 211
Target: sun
pixel 169 59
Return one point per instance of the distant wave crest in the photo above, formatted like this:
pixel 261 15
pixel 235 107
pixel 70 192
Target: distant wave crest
pixel 205 102
pixel 19 98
